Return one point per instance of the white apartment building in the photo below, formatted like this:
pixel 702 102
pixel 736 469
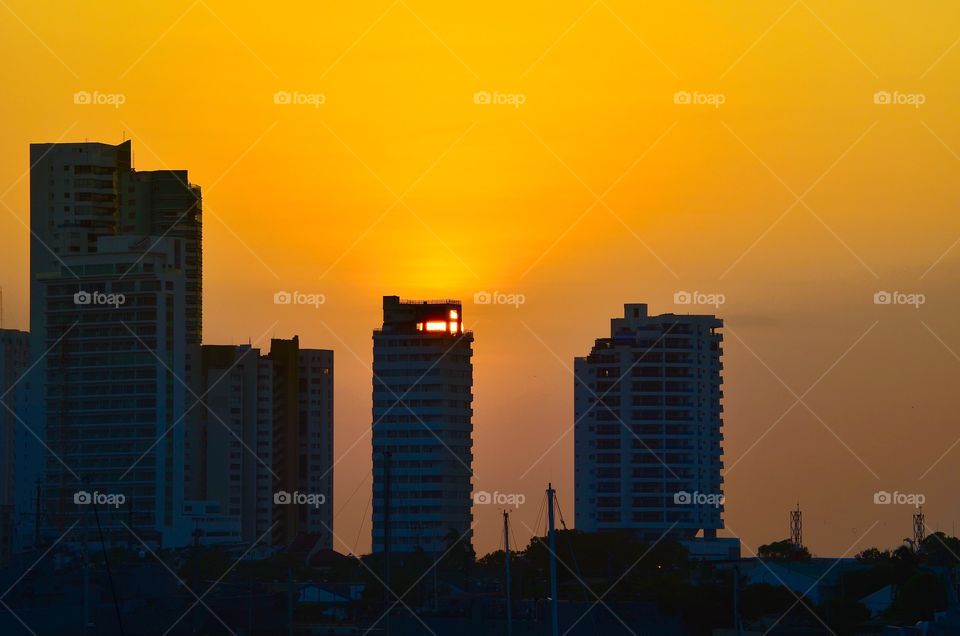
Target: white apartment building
pixel 422 426
pixel 647 427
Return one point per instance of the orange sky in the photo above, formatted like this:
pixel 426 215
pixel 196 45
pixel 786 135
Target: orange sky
pixel 797 198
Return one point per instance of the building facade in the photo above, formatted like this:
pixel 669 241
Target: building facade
pixel 110 380
pixel 114 387
pixel 18 450
pixel 647 427
pixel 422 426
pixel 250 410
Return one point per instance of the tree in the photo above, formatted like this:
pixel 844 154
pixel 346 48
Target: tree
pixel 844 615
pixel 916 600
pixel 784 550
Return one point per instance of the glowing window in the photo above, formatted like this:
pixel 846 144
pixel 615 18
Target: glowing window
pixel 453 326
pixel 453 314
pixel 419 326
pixel 436 325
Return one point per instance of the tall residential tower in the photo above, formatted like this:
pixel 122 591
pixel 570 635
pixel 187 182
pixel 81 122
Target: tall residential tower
pixel 115 297
pixel 422 426
pixel 647 453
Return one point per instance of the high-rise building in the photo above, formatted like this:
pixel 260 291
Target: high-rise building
pixel 248 413
pixel 114 387
pixel 647 427
pixel 99 227
pixel 81 191
pixel 225 423
pixel 165 203
pixel 18 450
pixel 316 441
pixel 285 439
pixel 422 426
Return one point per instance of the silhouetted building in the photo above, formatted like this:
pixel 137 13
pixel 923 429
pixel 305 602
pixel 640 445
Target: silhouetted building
pixel 115 386
pixel 225 425
pixel 165 203
pixel 647 435
pixel 254 410
pixel 101 229
pixel 316 441
pixel 422 426
pixel 19 453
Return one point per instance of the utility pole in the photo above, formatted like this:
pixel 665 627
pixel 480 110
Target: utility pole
pixel 289 601
pixel 737 624
pixel 386 536
pixel 506 551
pixel 196 571
pixel 554 609
pixel 86 573
pixel 250 608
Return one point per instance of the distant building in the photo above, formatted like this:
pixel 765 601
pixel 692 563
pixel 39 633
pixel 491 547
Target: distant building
pixel 647 427
pixel 316 441
pixel 422 426
pixel 84 190
pixel 253 411
pixel 114 386
pixel 302 441
pixel 19 454
pixel 225 423
pixel 100 397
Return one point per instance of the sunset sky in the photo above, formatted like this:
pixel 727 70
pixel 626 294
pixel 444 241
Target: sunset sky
pixel 797 198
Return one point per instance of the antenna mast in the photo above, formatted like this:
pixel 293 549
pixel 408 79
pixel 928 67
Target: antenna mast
pixel 796 527
pixel 919 528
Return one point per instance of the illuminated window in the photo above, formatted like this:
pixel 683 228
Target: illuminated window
pixel 436 325
pixel 419 326
pixel 453 326
pixel 453 314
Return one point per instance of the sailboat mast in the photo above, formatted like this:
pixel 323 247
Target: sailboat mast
pixel 506 548
pixel 554 610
